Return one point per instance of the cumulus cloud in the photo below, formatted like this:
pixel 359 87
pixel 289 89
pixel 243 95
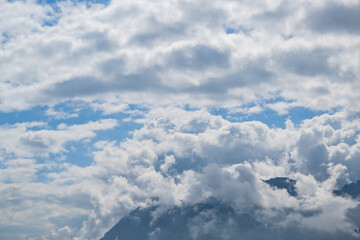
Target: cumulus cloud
pixel 185 157
pixel 133 172
pixel 137 50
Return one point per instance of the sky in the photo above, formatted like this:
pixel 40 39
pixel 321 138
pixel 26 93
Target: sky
pixel 106 106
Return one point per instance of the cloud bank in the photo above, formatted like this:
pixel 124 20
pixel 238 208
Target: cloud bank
pixel 215 53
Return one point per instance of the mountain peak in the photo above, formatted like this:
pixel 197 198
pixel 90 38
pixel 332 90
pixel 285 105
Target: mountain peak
pixel 351 189
pixel 283 183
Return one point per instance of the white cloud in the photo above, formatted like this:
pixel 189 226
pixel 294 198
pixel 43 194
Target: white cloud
pixel 19 139
pixel 168 162
pixel 176 52
pixel 212 159
pixel 60 114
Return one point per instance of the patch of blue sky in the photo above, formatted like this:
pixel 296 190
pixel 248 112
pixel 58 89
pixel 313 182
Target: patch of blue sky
pixel 5 38
pixel 230 30
pixel 273 119
pixel 2 165
pixel 267 116
pixel 35 114
pixel 289 36
pixel 120 133
pixel 187 107
pixel 53 18
pixel 270 117
pixel 242 29
pixel 88 2
pixel 80 153
pixel 54 15
pixel 83 115
pixel 41 174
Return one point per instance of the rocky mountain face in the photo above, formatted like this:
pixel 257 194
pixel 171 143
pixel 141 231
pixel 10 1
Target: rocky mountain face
pixel 352 190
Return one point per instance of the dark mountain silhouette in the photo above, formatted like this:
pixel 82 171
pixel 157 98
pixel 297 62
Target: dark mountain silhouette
pixel 283 183
pixel 352 189
pixel 207 220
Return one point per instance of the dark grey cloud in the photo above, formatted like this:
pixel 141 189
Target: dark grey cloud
pixel 306 62
pixel 99 41
pixel 316 161
pixel 199 58
pixel 251 75
pixel 335 18
pixel 114 66
pixel 158 32
pixel 91 86
pixel 35 143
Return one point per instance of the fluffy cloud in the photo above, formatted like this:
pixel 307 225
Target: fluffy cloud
pixel 184 157
pixel 27 189
pixel 207 156
pixel 23 140
pixel 225 53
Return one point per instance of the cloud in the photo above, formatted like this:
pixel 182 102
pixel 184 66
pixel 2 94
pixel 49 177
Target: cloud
pixel 138 176
pixel 335 18
pixel 93 52
pixel 50 204
pixel 60 114
pixel 20 170
pixel 26 17
pixel 308 63
pixel 185 157
pixel 153 61
pixel 20 140
pixel 169 161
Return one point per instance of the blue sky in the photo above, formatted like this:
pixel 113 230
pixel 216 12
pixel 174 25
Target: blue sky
pixel 106 106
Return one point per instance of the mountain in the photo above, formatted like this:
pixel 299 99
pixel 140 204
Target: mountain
pixel 352 189
pixel 207 220
pixel 213 219
pixel 283 183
